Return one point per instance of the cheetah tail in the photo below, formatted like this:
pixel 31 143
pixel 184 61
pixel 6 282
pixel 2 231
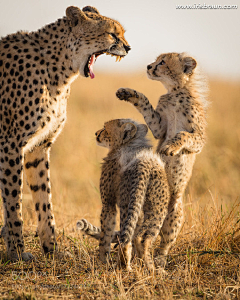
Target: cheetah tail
pixel 88 228
pixel 94 231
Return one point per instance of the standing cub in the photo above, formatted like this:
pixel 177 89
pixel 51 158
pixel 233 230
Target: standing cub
pixel 134 179
pixel 179 124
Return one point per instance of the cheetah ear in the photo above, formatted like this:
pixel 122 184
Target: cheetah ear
pixel 143 129
pixel 128 131
pixel 75 15
pixel 189 64
pixel 90 9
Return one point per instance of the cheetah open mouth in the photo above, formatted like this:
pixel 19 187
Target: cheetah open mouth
pixel 88 69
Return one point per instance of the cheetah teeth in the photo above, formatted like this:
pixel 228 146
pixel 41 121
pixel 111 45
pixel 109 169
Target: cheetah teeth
pixel 118 57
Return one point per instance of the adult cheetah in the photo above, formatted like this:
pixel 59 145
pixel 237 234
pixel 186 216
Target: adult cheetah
pixel 133 178
pixel 36 70
pixel 179 123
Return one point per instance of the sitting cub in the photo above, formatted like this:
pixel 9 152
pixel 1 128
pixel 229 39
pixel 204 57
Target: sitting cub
pixel 133 178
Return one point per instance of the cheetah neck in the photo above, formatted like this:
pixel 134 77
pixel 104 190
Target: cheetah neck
pixel 132 150
pixel 52 41
pixel 195 88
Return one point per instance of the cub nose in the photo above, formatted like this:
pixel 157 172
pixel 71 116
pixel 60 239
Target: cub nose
pixel 149 67
pixel 98 139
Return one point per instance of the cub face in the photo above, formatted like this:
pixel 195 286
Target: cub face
pixel 172 69
pixel 93 35
pixel 117 133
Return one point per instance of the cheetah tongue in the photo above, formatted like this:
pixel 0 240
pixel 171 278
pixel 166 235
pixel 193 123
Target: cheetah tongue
pixel 90 66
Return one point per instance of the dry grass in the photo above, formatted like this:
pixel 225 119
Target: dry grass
pixel 203 264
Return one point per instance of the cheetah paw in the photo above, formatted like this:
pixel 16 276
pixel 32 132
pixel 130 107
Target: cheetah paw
pixel 103 256
pixel 25 256
pixel 126 94
pixel 129 268
pixel 124 239
pixel 59 255
pixel 161 271
pixel 170 150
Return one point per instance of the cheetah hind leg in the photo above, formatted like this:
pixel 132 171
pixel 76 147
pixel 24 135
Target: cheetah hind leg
pixel 125 255
pixel 145 238
pixel 169 231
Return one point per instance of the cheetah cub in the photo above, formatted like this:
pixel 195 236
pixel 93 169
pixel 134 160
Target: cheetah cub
pixel 132 178
pixel 179 124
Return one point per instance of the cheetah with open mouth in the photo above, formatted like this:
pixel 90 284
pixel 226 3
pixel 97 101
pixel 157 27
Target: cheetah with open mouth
pixel 36 70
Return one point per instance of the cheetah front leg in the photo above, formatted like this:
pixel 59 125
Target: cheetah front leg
pixel 142 104
pixel 38 177
pixel 11 183
pixel 191 142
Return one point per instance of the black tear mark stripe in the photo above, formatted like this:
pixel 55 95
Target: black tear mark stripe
pixel 34 164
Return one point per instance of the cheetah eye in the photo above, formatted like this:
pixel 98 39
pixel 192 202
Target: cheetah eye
pixel 113 35
pixel 162 62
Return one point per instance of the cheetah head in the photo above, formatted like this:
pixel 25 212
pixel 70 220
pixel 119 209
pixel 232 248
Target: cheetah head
pixel 172 69
pixel 93 35
pixel 119 132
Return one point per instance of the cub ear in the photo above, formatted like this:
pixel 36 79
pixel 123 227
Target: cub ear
pixel 75 15
pixel 128 131
pixel 189 64
pixel 143 128
pixel 90 9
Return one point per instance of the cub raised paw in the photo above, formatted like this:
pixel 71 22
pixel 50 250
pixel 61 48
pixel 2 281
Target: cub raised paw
pixel 170 149
pixel 131 96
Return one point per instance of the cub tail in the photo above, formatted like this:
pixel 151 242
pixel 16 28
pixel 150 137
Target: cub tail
pixel 86 227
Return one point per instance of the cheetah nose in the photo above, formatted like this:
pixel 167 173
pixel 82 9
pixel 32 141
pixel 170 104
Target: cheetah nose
pixel 97 135
pixel 149 67
pixel 127 48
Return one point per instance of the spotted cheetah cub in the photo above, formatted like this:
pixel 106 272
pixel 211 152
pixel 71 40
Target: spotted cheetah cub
pixel 132 178
pixel 179 124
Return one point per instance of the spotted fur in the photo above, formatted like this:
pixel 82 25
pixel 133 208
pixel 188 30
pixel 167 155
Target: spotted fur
pixel 134 179
pixel 36 70
pixel 179 123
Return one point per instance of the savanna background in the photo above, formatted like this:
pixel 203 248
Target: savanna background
pixel 204 262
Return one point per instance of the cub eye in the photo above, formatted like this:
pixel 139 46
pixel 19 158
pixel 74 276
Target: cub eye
pixel 162 62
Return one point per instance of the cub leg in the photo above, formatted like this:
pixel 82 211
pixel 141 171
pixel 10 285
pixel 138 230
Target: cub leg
pixel 170 229
pixel 108 221
pixel 142 104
